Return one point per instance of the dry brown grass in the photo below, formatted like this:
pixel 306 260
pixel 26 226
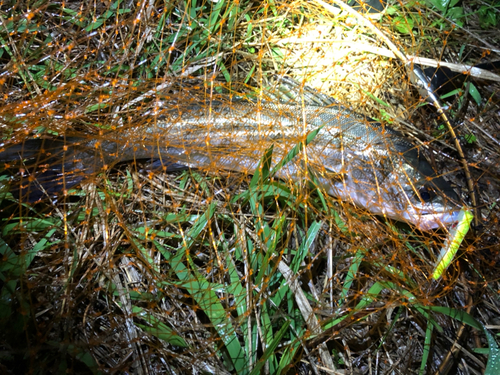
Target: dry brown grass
pixel 96 281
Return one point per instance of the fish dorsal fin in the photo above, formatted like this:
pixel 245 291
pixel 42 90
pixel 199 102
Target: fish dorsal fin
pixel 289 91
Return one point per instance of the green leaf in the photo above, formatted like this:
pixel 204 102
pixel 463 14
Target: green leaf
pixel 493 365
pixel 470 138
pixel 203 292
pixel 404 24
pixel 392 10
pixel 351 275
pixel 296 150
pixel 427 348
pixel 224 71
pixel 9 258
pixel 159 329
pixel 487 17
pixel 367 298
pixel 96 107
pixel 29 225
pixel 18 264
pixel 305 245
pixel 452 93
pixel 459 315
pixel 262 172
pixel 456 15
pixel 271 348
pixel 443 5
pixel 474 92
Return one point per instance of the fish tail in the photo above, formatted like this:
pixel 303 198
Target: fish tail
pixel 45 167
pixel 42 168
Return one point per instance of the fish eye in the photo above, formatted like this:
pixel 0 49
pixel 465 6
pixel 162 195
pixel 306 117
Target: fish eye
pixel 426 194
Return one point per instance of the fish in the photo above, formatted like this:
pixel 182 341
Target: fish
pixel 354 158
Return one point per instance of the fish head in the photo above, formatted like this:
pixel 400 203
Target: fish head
pixel 400 186
pixel 419 196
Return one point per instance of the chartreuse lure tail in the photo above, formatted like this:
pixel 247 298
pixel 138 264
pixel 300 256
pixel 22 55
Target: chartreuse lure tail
pixel 453 242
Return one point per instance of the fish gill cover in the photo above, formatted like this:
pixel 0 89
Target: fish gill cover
pixel 243 187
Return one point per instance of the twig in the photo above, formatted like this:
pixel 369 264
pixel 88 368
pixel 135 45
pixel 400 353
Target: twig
pixel 459 68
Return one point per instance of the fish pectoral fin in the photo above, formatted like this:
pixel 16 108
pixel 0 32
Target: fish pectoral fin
pixel 334 175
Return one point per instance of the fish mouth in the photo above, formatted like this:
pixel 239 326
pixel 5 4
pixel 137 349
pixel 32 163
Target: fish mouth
pixel 428 220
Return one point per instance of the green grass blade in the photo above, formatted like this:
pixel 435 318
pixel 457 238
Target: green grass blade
pixel 271 348
pixel 368 298
pixel 296 150
pixel 262 172
pixel 351 275
pixel 493 365
pixel 305 245
pixel 158 328
pixel 427 348
pixel 203 293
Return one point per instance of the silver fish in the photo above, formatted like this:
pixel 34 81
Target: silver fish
pixel 353 157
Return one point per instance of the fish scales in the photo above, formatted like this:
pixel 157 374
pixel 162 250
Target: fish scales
pixel 357 159
pixel 354 157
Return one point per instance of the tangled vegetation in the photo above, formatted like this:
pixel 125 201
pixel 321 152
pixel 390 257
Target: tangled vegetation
pixel 144 270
